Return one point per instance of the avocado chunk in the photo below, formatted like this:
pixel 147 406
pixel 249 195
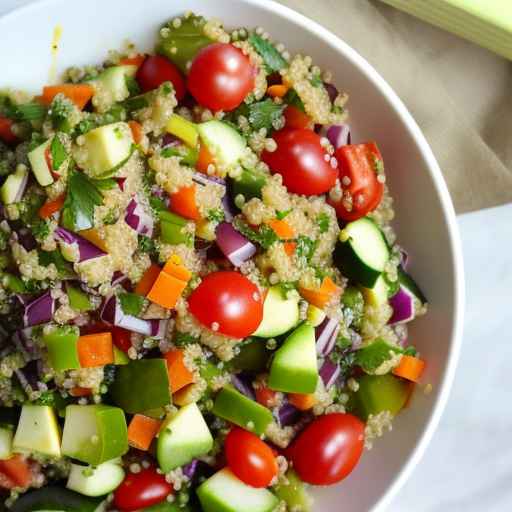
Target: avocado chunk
pixel 38 431
pixel 294 493
pixel 94 433
pixel 242 411
pixel 38 162
pixel 294 368
pixel 223 141
pixel 280 313
pixel 13 185
pixel 62 345
pixel 224 492
pixel 6 436
pixel 96 480
pixel 106 148
pixel 114 80
pixel 151 379
pixel 183 437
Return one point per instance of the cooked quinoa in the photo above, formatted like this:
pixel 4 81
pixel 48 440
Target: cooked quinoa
pixel 177 260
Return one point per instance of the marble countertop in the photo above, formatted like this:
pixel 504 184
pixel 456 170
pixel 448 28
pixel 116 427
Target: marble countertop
pixel 468 465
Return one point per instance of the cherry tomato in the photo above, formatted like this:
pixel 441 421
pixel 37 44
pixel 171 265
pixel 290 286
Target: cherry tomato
pixel 6 134
pixel 220 77
pixel 295 118
pixel 140 490
pixel 250 458
pixel 156 70
pixel 300 159
pixel 121 338
pixel 328 449
pixel 266 396
pixel 227 302
pixel 358 166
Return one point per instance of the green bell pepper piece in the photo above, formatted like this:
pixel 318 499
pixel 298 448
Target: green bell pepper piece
pixel 62 345
pixel 78 300
pixel 13 283
pixel 253 357
pixel 248 184
pixel 372 356
pixel 172 229
pixel 187 155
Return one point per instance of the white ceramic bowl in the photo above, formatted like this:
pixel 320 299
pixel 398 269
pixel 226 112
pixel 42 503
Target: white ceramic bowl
pixel 425 219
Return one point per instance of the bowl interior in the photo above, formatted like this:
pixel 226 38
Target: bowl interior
pixel 425 222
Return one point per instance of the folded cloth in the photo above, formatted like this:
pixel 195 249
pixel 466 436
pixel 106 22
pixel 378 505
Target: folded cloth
pixel 458 93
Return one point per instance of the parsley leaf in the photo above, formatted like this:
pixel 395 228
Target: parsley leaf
pixel 182 338
pixel 281 214
pixel 265 236
pixel 293 99
pixel 146 244
pixel 60 112
pixel 131 303
pixel 261 114
pixel 274 61
pixel 63 267
pixel 40 229
pixel 58 153
pixel 216 215
pixel 132 85
pixel 323 220
pixel 82 197
pixel 106 184
pixel 305 247
pixel 316 81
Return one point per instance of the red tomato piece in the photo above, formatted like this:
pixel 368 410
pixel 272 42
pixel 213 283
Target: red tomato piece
pixel 6 134
pixel 156 70
pixel 328 449
pixel 15 470
pixel 266 396
pixel 295 118
pixel 141 490
pixel 227 302
pixel 121 338
pixel 250 459
pixel 220 77
pixel 358 166
pixel 301 161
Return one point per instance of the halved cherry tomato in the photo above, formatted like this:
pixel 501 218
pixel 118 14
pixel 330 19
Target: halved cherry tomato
pixel 156 70
pixel 121 338
pixel 358 165
pixel 227 302
pixel 328 449
pixel 6 134
pixel 301 161
pixel 265 396
pixel 141 490
pixel 220 77
pixel 295 118
pixel 250 458
pixel 15 470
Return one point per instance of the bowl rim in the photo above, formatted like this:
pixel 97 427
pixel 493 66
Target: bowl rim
pixel 309 25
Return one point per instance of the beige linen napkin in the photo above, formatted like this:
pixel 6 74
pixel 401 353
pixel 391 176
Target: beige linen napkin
pixel 459 94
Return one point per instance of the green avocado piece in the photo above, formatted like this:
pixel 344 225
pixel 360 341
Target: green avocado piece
pixel 151 379
pixel 294 493
pixel 62 345
pixel 94 433
pixel 12 185
pixel 183 437
pixel 98 480
pixel 37 431
pixel 242 411
pixel 294 368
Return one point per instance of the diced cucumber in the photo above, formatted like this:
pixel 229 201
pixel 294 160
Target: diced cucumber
pixel 184 129
pixel 408 282
pixel 280 313
pixel 373 358
pixel 294 368
pixel 253 357
pixel 13 185
pixel 113 80
pixel 223 141
pixel 183 437
pixel 294 493
pixel 106 148
pixel 248 185
pixel 38 431
pixel 94 433
pixel 6 437
pixel 62 345
pixel 96 481
pixel 151 378
pixel 224 492
pixel 242 411
pixel 377 295
pixel 362 252
pixel 38 162
pixel 78 300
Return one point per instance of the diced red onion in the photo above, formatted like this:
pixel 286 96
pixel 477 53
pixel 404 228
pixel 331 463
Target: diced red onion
pixel 170 140
pixel 206 179
pixel 288 414
pixel 39 311
pixel 23 340
pixel 243 383
pixel 325 335
pixel 190 469
pixel 158 328
pixel 403 306
pixel 138 218
pixel 338 135
pixel 233 245
pixel 331 91
pixel 21 188
pixel 229 208
pixel 86 250
pixel 356 339
pixel 329 372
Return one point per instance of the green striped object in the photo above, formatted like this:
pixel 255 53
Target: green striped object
pixel 485 22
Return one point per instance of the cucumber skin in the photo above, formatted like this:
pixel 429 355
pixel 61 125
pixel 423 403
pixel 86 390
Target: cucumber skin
pixel 352 267
pixel 55 498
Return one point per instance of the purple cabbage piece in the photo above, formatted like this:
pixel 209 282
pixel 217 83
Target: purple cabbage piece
pixel 403 306
pixel 243 383
pixel 235 247
pixel 86 250
pixel 39 311
pixel 139 219
pixel 338 135
pixel 205 179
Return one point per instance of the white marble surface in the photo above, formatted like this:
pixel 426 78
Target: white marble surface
pixel 468 465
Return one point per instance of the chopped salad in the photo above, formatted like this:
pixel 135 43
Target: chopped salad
pixel 201 291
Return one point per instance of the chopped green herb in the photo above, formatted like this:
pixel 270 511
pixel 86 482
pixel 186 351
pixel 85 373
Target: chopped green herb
pixel 262 114
pixel 316 81
pixel 146 244
pixel 265 236
pixel 36 140
pixel 274 61
pixel 410 351
pixel 323 220
pixel 305 248
pixel 30 204
pixel 109 374
pixel 60 112
pixel 136 103
pixel 40 229
pixel 216 215
pixel 82 197
pixel 58 152
pixel 131 303
pixel 182 338
pixel 188 156
pixel 343 342
pixel 287 286
pixel 132 85
pixel 280 215
pixel 111 217
pixel 293 99
pixel 63 267
pixel 370 357
pixel 107 184
pixel 378 164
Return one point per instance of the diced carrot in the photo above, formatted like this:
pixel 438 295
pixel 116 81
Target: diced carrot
pixel 265 396
pixel 284 231
pixel 136 130
pixel 166 290
pixel 147 280
pixel 142 430
pixel 95 350
pixel 204 159
pixel 183 203
pixel 323 295
pixel 79 94
pixel 174 268
pixel 93 236
pixel 277 90
pixel 179 375
pixel 78 391
pixel 295 118
pixel 6 131
pixel 133 61
pixel 51 207
pixel 410 368
pixel 17 470
pixel 301 401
